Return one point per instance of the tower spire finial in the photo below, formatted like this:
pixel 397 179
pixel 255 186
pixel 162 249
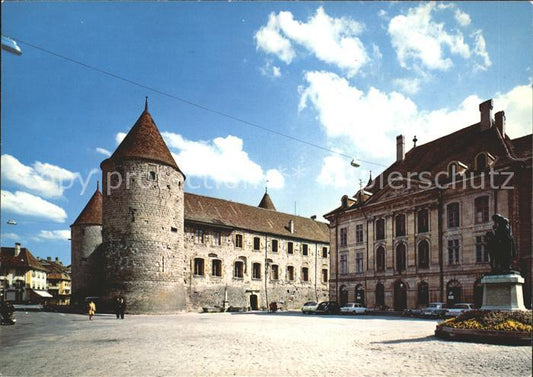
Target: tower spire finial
pixel 146 104
pixel 97 185
pixel 266 187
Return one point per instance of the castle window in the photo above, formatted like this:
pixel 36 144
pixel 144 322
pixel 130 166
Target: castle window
pixel 275 272
pixel 359 262
pixel 344 237
pixel 359 233
pixel 305 274
pixel 453 251
pixel 257 243
pixel 380 229
pixel 256 271
pixel 400 257
pixel 481 162
pixel 216 239
pixel 400 225
pixel 423 294
pixel 216 267
pixel 290 273
pixel 324 252
pixel 481 207
pixel 198 267
pixel 274 246
pixel 423 221
pixel 238 270
pixel 423 254
pixel 324 275
pixel 482 254
pixel 452 211
pixel 380 258
pixel 305 249
pixel 152 176
pixel 238 240
pixel 290 248
pixel 344 264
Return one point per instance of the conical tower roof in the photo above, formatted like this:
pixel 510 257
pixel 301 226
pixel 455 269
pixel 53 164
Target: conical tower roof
pixel 92 213
pixel 145 142
pixel 266 202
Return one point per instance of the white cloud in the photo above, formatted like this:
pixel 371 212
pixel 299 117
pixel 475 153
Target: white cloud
pixel 43 178
pixel 331 40
pixel 275 179
pixel 119 137
pixel 10 236
pixel 270 70
pixel 462 18
pixel 371 120
pixel 408 86
pixel 336 172
pixel 480 49
pixel 419 39
pixel 63 235
pixel 23 203
pixel 276 72
pixel 222 159
pixel 103 151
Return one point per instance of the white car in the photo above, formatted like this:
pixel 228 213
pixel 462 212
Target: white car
pixel 309 307
pixel 353 308
pixel 459 309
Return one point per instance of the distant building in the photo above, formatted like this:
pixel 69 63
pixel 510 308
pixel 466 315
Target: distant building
pixel 58 279
pixel 22 277
pixel 162 249
pixel 416 233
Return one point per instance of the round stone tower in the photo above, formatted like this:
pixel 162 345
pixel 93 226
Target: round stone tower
pixel 143 224
pixel 86 236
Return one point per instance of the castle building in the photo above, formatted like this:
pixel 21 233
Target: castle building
pixel 416 234
pixel 163 250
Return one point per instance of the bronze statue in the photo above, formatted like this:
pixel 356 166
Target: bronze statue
pixel 500 245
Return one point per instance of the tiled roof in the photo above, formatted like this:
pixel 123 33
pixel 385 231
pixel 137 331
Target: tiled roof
pixel 92 213
pixel 266 202
pixel 219 212
pixel 25 259
pixel 145 142
pixel 521 146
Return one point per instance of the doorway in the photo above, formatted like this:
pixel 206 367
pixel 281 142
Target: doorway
pixel 400 295
pixel 344 296
pixel 253 302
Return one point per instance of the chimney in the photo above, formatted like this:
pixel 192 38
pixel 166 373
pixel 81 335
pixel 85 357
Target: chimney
pixel 499 122
pixel 400 150
pixel 485 109
pixel 291 226
pixel 17 249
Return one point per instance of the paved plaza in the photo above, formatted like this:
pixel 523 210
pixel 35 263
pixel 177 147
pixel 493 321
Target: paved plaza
pixel 244 344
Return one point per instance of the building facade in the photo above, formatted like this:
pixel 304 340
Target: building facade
pixel 145 239
pixel 416 234
pixel 58 281
pixel 22 277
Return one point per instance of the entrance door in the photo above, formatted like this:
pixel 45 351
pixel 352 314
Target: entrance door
pixel 400 295
pixel 344 296
pixel 253 302
pixel 360 294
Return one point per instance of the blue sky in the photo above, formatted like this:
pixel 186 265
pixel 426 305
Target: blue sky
pixel 347 76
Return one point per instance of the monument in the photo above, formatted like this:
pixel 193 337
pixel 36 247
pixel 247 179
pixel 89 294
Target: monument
pixel 502 289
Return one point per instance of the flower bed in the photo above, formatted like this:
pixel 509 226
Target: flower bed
pixel 488 327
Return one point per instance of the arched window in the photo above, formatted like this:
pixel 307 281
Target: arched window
pixel 481 205
pixel 400 225
pixel 380 258
pixel 360 294
pixel 423 294
pixel 423 221
pixel 423 254
pixel 380 229
pixel 380 295
pixel 452 211
pixel 400 257
pixel 481 162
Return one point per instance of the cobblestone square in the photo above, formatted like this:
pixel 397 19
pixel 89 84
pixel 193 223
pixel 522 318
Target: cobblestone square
pixel 244 344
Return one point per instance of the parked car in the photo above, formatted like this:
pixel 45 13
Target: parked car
pixel 309 307
pixel 328 307
pixel 459 309
pixel 353 308
pixel 434 310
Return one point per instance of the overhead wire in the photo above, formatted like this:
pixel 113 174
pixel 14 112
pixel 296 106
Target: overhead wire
pixel 194 104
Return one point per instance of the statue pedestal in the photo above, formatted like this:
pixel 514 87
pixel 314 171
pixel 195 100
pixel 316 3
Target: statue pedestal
pixel 503 292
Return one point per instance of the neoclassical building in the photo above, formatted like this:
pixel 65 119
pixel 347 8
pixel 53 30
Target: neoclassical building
pixel 416 233
pixel 145 239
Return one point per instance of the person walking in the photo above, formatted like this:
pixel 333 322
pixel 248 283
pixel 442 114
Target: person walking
pixel 122 308
pixel 92 310
pixel 118 307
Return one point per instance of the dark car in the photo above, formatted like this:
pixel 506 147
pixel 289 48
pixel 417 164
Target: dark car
pixel 328 307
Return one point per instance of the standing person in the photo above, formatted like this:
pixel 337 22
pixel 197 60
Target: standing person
pixel 118 307
pixel 122 308
pixel 92 310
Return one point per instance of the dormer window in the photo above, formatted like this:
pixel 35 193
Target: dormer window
pixel 483 161
pixel 456 168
